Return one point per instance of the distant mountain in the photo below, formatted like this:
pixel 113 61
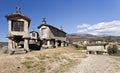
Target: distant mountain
pixel 83 35
pixel 78 37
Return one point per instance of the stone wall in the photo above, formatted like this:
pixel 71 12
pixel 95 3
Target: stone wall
pixel 95 48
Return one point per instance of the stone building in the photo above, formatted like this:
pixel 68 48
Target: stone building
pixel 20 42
pixel 18 25
pixel 34 37
pixel 97 49
pixel 51 36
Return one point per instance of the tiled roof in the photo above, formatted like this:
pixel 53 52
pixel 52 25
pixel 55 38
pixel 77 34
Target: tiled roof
pixel 33 31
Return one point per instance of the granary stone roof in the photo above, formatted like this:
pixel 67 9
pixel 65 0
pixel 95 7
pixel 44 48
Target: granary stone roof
pixel 50 27
pixel 33 31
pixel 18 14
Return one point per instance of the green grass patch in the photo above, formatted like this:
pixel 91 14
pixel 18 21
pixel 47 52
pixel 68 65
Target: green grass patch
pixel 43 57
pixel 28 64
pixel 117 54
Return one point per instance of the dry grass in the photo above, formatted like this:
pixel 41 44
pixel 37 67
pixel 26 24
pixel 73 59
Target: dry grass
pixel 55 60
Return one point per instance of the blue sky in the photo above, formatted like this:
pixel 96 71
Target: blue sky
pixel 75 16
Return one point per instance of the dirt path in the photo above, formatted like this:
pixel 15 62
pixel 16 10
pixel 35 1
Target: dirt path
pixel 97 64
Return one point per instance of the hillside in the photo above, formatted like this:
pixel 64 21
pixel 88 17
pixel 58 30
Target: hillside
pixel 56 60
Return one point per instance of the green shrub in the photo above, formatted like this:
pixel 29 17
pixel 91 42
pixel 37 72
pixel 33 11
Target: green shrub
pixel 75 45
pixel 84 47
pixel 113 50
pixel 79 47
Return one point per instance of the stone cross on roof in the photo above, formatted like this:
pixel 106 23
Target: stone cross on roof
pixel 18 9
pixel 44 20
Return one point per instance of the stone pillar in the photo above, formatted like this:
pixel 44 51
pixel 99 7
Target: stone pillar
pixel 10 45
pixel 66 44
pixel 62 43
pixel 95 52
pixel 26 45
pixel 56 44
pixel 48 43
pixel 104 53
pixel 15 45
pixel 88 52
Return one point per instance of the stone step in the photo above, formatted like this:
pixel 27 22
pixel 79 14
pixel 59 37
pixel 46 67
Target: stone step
pixel 19 51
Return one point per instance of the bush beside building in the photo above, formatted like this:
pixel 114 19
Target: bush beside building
pixel 113 50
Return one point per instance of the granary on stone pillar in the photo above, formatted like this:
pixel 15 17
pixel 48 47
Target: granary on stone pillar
pixel 18 25
pixel 34 36
pixel 51 36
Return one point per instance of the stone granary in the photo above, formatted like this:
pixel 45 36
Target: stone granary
pixel 18 25
pixel 51 36
pixel 19 41
pixel 34 41
pixel 34 37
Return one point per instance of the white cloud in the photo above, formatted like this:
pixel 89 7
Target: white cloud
pixel 110 28
pixel 83 26
pixel 82 31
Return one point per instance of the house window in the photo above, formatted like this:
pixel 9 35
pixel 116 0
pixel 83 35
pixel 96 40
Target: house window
pixel 33 34
pixel 17 26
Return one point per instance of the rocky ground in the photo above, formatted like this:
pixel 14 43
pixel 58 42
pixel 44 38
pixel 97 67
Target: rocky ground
pixel 97 64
